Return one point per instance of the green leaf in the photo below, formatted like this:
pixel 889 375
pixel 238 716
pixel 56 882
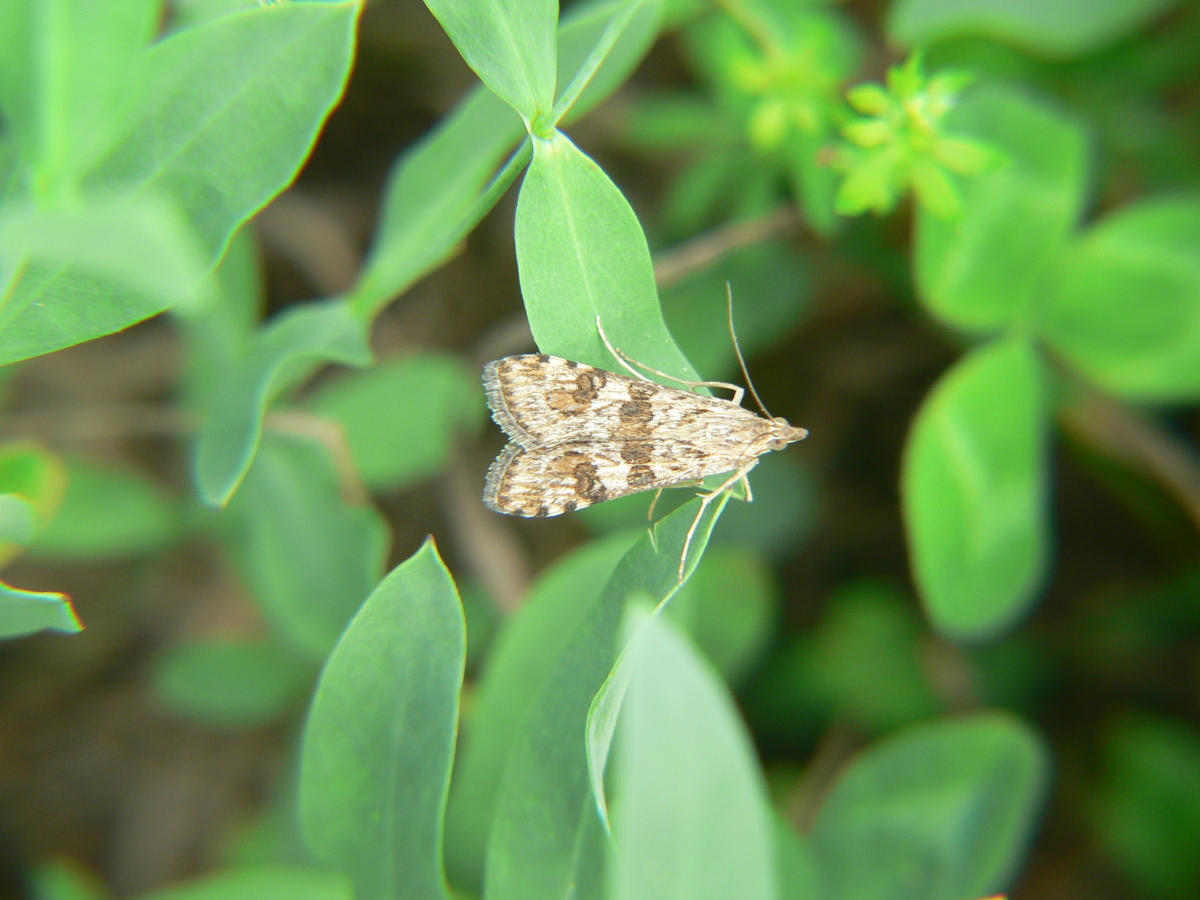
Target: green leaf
pixel 63 78
pixel 378 746
pixel 798 877
pixel 1064 29
pixel 784 508
pixel 691 818
pixel 26 612
pixel 308 556
pixel 546 836
pixel 1147 807
pixel 276 882
pixel 65 879
pixel 90 270
pixel 814 185
pixel 510 44
pixel 581 254
pixel 873 184
pixel 941 811
pixel 402 419
pixel 984 269
pixel 440 189
pixel 865 660
pixel 218 331
pixel 293 345
pixel 193 12
pixel 225 113
pixel 974 491
pixel 934 189
pixel 187 95
pixel 109 512
pixel 432 199
pixel 584 27
pixel 620 16
pixel 771 287
pixel 33 482
pixel 660 122
pixel 519 665
pixel 18 520
pixel 229 684
pixel 1125 305
pixel 869 99
pixel 732 635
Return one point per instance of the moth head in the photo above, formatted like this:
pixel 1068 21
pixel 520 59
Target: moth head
pixel 785 433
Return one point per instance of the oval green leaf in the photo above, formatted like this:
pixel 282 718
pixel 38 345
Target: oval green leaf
pixel 581 254
pixel 691 818
pixel 519 664
pixel 1125 306
pixel 547 839
pixel 379 743
pixel 109 512
pixel 974 491
pixel 223 114
pixel 229 684
pixel 84 272
pixel 402 419
pixel 942 811
pixel 510 44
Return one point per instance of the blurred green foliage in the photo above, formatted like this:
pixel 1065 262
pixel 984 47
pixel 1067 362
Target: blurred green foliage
pixel 581 735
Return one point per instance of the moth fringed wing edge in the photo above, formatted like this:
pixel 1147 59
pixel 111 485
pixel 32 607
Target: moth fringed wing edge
pixel 498 404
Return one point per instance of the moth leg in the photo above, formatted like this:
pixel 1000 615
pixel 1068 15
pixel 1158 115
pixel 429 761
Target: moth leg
pixel 705 499
pixel 746 485
pixel 626 360
pixel 617 354
pixel 653 503
pixel 658 494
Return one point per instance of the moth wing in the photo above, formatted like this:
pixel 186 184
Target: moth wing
pixel 550 481
pixel 544 401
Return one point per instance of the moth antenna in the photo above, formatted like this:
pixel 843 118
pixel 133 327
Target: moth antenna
pixel 738 350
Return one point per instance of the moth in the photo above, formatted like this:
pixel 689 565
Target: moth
pixel 581 435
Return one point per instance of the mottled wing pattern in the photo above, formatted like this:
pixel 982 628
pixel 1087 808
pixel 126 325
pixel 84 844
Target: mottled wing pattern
pixel 550 481
pixel 544 401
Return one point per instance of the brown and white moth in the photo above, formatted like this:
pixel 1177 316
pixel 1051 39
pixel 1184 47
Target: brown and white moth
pixel 581 435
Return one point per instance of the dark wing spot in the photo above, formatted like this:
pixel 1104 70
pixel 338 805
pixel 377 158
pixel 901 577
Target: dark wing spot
pixel 635 411
pixel 543 358
pixel 570 506
pixel 637 452
pixel 543 510
pixel 642 390
pixel 587 484
pixel 640 476
pixel 571 364
pixel 588 385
